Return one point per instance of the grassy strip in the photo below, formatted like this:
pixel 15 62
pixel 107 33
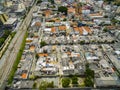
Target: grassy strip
pixel 14 68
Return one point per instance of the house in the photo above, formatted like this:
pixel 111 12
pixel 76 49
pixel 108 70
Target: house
pixel 32 48
pixel 100 3
pixel 62 28
pixel 58 1
pixel 84 30
pixel 107 7
pixel 47 13
pixel 85 11
pixel 103 20
pixel 96 15
pixel 86 1
pixel 71 10
pixel 53 29
pixel 90 57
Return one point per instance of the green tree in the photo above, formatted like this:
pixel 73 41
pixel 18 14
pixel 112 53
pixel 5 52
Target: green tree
pixel 65 82
pixel 34 85
pixel 88 82
pixel 50 85
pixel 63 9
pixel 13 34
pixel 89 77
pixel 1 41
pixel 43 85
pixel 64 19
pixel 4 37
pixel 52 21
pixel 39 1
pixel 6 34
pixel 82 42
pixel 114 21
pixel 37 56
pixel 105 16
pixel 87 65
pixel 32 77
pixel 80 4
pixel 42 43
pixel 105 29
pixel 74 80
pixel 89 73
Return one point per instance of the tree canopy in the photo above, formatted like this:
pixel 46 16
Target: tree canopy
pixel 4 37
pixel 63 9
pixel 74 80
pixel 88 82
pixel 65 82
pixel 89 77
pixel 39 1
pixel 42 43
pixel 105 29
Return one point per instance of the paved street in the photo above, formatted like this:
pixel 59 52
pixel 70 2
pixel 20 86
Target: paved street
pixel 59 61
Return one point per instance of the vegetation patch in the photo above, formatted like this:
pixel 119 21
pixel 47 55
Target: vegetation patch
pixel 42 43
pixel 89 77
pixel 4 37
pixel 44 85
pixel 39 1
pixel 62 9
pixel 65 82
pixel 6 44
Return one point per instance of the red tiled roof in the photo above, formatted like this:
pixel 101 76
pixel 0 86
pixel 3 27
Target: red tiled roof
pixel 62 27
